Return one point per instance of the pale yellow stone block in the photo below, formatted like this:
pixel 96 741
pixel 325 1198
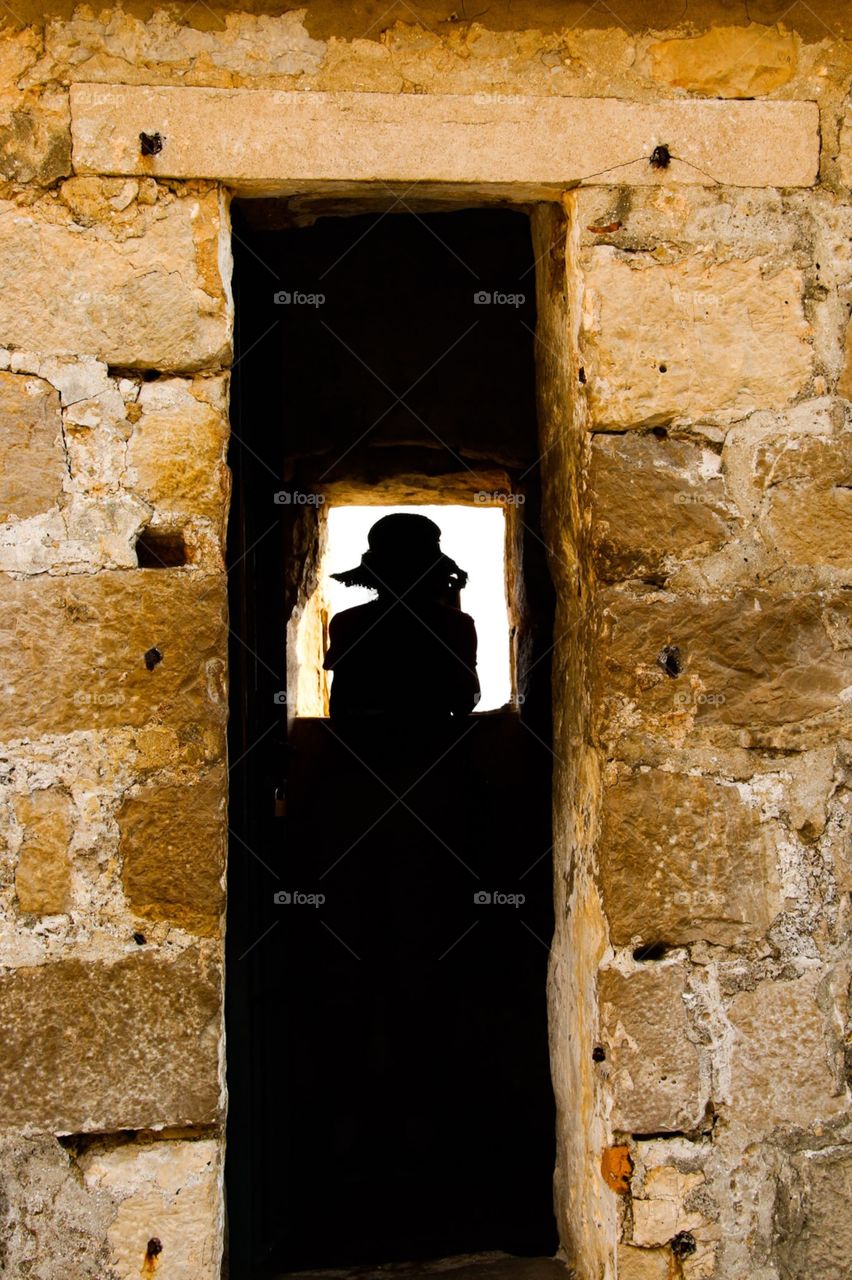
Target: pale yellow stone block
pixel 43 874
pixel 691 338
pixel 643 1264
pixel 727 61
pixel 176 452
pixel 653 1065
pixel 35 136
pixel 32 460
pixel 280 141
pixel 140 294
pixel 780 1063
pixel 168 1192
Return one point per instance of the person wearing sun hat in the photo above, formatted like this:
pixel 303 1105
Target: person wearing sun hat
pixel 411 651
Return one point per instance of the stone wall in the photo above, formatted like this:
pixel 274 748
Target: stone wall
pixel 695 391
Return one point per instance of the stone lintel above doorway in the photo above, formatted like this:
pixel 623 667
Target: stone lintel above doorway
pixel 271 142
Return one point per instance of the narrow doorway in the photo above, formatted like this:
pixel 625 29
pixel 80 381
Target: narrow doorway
pixel 390 904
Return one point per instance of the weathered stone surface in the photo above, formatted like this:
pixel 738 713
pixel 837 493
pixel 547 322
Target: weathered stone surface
pixel 780 1065
pixel 127 1045
pixel 673 1193
pixel 81 535
pixel 739 225
pixel 35 137
pixel 176 453
pixel 73 652
pixel 809 515
pixel 839 844
pixel 682 858
pixel 846 160
pixel 688 339
pixel 643 1264
pixel 124 48
pixel 655 503
pixel 813 1220
pixel 51 1226
pixel 771 668
pixel 173 850
pixel 43 873
pixel 660 1213
pixel 153 298
pixel 112 203
pixel 32 460
pixel 844 382
pixel 727 61
pixel 273 140
pixel 653 1066
pixel 169 1191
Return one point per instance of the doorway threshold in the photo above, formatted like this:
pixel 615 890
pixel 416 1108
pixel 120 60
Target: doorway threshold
pixel 474 1266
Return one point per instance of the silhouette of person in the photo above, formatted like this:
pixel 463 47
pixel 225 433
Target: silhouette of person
pixel 410 652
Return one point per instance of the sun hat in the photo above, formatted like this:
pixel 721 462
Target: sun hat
pixel 404 549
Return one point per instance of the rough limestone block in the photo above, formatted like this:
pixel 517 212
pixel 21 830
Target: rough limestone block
pixel 108 649
pixel 173 852
pixel 32 459
pixel 654 504
pixel 809 500
pixel 43 873
pixel 53 1227
pixel 269 139
pixel 160 46
pixel 813 1221
pixel 176 452
pixel 91 1046
pixel 734 62
pixel 839 844
pixel 35 137
pixel 694 338
pixel 846 152
pixel 660 1212
pixel 682 858
pixel 154 298
pixel 740 224
pixel 82 535
pixel 844 382
pixel 653 1065
pixel 781 1073
pixel 643 1264
pixel 168 1191
pixel 753 668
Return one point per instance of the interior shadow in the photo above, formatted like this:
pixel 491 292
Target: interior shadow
pixel 390 902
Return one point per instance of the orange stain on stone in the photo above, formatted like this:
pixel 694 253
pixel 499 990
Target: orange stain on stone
pixel 617 1167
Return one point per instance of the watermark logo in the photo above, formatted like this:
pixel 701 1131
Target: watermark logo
pixel 296 898
pixel 294 498
pixel 696 298
pixel 684 698
pixel 487 298
pixel 99 698
pixel 495 498
pixel 499 99
pixel 279 697
pixel 693 499
pixel 482 898
pixel 287 298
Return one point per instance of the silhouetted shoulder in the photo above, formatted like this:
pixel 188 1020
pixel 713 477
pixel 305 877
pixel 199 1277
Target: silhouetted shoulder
pixel 345 628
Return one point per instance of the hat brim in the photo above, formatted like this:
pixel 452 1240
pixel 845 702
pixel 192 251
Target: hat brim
pixel 364 575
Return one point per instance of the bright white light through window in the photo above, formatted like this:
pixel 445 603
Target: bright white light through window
pixel 475 538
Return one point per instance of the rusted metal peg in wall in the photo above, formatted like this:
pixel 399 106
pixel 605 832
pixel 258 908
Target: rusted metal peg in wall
pixel 150 144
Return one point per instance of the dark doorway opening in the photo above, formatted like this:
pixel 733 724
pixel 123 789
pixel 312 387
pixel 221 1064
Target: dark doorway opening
pixel 388 1076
